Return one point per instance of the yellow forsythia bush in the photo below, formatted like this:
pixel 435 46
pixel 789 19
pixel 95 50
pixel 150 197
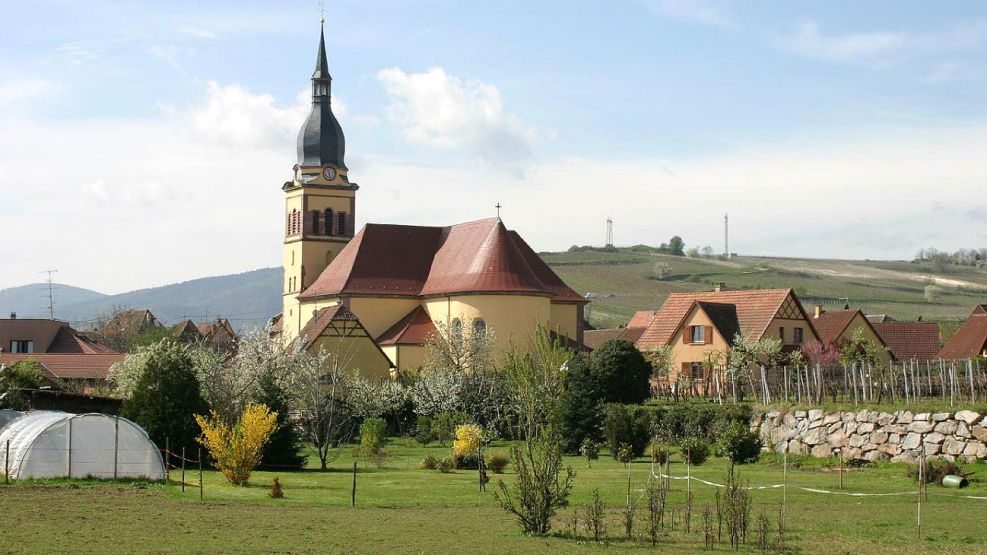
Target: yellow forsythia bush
pixel 236 450
pixel 469 437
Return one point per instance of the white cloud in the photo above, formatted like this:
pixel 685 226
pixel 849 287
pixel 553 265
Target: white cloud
pixel 439 110
pixel 694 11
pixel 232 115
pixel 20 90
pixel 809 41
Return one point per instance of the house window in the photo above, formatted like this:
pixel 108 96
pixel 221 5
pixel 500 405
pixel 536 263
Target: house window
pixel 479 327
pixel 342 229
pixel 22 346
pixel 781 334
pixel 698 334
pixel 798 335
pixel 696 371
pixel 328 220
pixel 315 222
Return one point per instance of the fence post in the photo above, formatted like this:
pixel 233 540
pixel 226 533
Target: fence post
pixel 167 461
pixel 200 473
pixel 116 444
pixel 69 457
pixel 183 469
pixel 353 493
pixel 6 465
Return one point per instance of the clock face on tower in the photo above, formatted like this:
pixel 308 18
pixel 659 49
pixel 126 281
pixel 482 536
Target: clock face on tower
pixel 329 173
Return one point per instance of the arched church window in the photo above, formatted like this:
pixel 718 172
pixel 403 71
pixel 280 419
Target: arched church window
pixel 456 330
pixel 328 219
pixel 479 327
pixel 315 222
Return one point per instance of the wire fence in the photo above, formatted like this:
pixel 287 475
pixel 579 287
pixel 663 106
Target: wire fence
pixel 952 381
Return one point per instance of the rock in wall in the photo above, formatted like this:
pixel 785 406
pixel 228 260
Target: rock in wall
pixel 900 436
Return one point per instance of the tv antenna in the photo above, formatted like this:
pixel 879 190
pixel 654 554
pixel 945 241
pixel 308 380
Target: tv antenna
pixel 51 294
pixel 609 238
pixel 726 235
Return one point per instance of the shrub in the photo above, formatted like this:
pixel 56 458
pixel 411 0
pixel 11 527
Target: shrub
pixel 446 465
pixel 166 395
pixel 373 437
pixel 657 452
pixel 276 492
pixel 25 374
pixel 678 422
pixel 430 462
pixel 935 471
pixel 465 460
pixel 423 430
pixel 590 450
pixel 469 438
pixel 444 425
pixel 284 449
pixel 626 425
pixel 498 462
pixel 740 444
pixel 696 451
pixel 622 372
pixel 237 449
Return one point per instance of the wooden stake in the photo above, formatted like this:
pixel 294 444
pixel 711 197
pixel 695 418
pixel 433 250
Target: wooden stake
pixel 6 465
pixel 183 469
pixel 353 493
pixel 167 461
pixel 200 473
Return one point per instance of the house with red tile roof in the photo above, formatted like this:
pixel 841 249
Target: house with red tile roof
pixel 836 327
pixel 970 340
pixel 700 326
pixel 911 341
pixel 63 353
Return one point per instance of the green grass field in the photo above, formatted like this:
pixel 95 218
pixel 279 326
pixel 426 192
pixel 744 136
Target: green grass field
pixel 896 288
pixel 402 509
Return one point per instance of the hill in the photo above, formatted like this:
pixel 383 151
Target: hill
pixel 621 281
pixel 625 280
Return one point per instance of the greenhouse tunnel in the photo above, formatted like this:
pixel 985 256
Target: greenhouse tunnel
pixel 50 444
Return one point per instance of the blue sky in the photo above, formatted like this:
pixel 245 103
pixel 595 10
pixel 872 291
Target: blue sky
pixel 826 128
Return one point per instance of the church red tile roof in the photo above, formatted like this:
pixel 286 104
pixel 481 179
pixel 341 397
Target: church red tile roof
pixel 413 329
pixel 970 340
pixel 755 309
pixel 642 318
pixel 910 340
pixel 473 257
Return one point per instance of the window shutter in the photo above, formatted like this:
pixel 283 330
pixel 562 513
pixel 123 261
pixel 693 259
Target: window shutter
pixel 708 335
pixel 687 335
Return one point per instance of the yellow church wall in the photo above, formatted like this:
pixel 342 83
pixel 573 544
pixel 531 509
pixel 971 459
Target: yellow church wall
pixel 378 314
pixel 406 357
pixel 565 319
pixel 359 353
pixel 512 317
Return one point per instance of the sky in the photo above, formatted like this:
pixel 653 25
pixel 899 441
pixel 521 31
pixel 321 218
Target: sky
pixel 144 143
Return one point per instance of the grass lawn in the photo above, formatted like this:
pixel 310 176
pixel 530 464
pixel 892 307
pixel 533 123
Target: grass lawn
pixel 406 510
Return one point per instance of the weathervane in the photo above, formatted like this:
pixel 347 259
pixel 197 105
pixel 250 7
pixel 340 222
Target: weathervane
pixel 322 13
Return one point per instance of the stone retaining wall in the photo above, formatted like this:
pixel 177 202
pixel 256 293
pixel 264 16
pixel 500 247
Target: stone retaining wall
pixel 900 436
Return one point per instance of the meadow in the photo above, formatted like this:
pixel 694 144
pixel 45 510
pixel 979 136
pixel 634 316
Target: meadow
pixel 625 280
pixel 403 509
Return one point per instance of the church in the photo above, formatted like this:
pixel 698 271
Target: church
pixel 379 293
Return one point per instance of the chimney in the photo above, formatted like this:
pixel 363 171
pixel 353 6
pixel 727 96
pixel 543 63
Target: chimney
pixel 819 310
pixel 13 315
pixel 720 286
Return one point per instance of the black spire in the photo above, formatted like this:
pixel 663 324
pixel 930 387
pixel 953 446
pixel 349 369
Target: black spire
pixel 321 140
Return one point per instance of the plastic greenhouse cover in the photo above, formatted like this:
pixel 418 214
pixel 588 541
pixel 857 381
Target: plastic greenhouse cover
pixel 49 444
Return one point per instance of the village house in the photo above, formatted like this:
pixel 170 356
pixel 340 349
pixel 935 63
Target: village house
pixel 63 354
pixel 697 325
pixel 376 296
pixel 970 340
pixel 836 327
pixel 911 341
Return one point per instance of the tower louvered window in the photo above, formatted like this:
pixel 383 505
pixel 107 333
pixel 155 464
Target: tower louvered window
pixel 342 229
pixel 315 222
pixel 328 220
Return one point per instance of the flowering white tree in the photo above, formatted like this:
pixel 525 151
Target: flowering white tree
pixel 375 398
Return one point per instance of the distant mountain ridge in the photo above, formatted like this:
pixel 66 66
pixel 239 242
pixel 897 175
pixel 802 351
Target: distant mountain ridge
pixel 247 299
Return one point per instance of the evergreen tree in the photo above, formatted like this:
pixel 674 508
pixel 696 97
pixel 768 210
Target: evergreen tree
pixel 284 449
pixel 621 372
pixel 167 396
pixel 580 406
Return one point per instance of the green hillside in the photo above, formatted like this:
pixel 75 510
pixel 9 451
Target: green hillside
pixel 625 280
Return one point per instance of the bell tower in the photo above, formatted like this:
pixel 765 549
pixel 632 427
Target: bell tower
pixel 320 200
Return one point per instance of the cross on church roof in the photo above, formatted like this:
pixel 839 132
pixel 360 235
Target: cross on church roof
pixel 498 207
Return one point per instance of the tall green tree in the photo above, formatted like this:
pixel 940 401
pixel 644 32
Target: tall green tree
pixel 676 246
pixel 284 448
pixel 580 406
pixel 621 372
pixel 167 396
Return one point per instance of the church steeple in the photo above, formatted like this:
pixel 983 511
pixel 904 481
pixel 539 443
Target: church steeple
pixel 321 141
